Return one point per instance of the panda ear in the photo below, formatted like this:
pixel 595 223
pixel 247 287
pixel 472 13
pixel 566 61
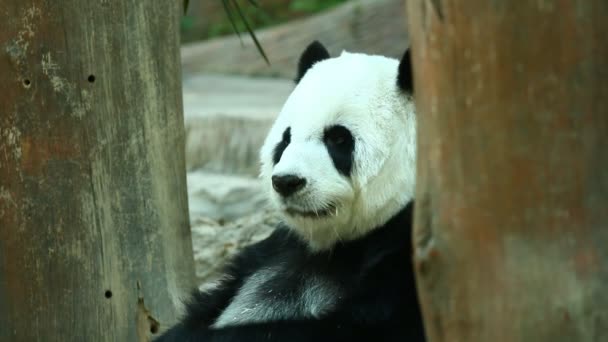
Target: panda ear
pixel 315 52
pixel 404 76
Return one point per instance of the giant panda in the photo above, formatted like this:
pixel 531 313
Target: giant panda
pixel 339 166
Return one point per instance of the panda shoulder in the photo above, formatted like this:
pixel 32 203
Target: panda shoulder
pixel 281 240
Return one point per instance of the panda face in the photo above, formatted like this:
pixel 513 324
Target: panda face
pixel 340 158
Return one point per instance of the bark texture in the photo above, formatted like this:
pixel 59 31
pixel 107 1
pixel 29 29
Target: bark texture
pixel 94 236
pixel 512 215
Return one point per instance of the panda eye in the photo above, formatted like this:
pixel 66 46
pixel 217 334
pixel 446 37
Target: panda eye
pixel 338 136
pixel 337 140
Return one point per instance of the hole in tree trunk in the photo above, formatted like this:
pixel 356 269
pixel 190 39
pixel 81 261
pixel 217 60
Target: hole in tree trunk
pixel 154 327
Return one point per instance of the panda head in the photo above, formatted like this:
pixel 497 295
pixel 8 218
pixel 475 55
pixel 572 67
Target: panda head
pixel 340 157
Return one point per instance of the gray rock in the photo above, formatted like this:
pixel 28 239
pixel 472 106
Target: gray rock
pixel 215 244
pixel 223 197
pixel 227 213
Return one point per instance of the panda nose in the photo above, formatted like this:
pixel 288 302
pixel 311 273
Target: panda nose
pixel 288 184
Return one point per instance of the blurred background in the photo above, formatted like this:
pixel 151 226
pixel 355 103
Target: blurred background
pixel 232 96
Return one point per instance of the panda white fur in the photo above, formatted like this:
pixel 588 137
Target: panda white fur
pixel 339 165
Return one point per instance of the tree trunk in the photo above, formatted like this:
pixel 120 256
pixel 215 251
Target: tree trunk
pixel 512 216
pixel 94 236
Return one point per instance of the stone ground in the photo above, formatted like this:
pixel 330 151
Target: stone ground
pixel 226 119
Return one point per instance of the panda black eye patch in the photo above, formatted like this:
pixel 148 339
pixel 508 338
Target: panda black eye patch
pixel 281 146
pixel 340 145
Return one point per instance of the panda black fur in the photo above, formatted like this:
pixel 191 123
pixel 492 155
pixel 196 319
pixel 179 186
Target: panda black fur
pixel 339 165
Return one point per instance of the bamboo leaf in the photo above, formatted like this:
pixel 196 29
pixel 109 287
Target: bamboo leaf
pixel 229 7
pixel 251 33
pixel 230 14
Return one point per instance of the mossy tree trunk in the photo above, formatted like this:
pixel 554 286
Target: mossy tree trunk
pixel 512 217
pixel 94 236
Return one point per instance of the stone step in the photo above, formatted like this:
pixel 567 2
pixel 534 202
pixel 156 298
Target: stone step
pixel 227 119
pixel 223 197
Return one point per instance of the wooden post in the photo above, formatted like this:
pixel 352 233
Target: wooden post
pixel 94 236
pixel 512 195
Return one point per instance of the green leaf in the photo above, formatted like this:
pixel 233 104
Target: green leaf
pixel 228 10
pixel 255 39
pixel 229 7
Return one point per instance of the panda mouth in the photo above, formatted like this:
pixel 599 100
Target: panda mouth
pixel 321 213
